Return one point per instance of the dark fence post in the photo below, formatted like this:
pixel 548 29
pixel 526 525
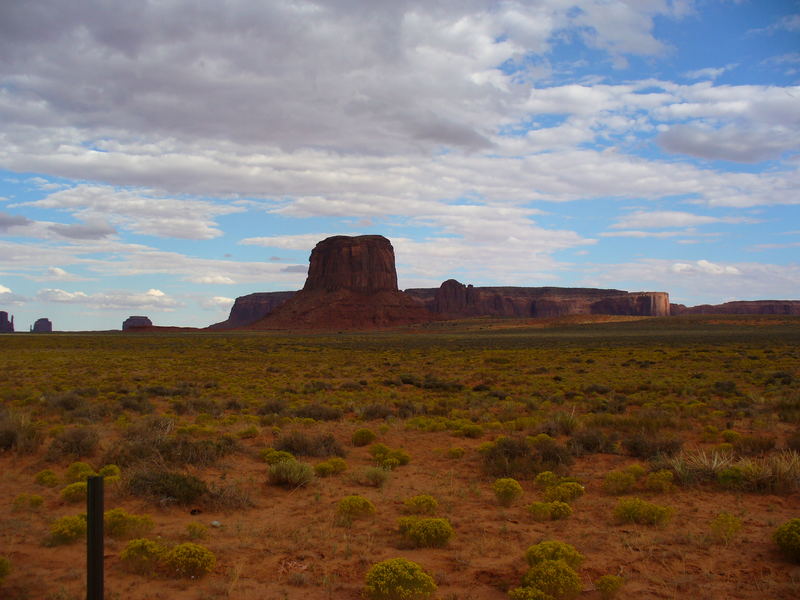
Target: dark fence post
pixel 94 538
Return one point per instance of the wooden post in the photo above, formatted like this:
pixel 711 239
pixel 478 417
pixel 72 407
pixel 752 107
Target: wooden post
pixel 94 538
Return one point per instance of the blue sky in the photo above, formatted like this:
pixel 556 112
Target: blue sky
pixel 163 159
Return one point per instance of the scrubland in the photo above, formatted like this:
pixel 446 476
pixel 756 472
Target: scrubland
pixel 661 455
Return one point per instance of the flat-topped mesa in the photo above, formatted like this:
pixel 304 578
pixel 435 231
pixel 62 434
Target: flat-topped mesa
pixel 456 300
pixel 741 307
pixel 249 309
pixel 351 284
pixel 363 264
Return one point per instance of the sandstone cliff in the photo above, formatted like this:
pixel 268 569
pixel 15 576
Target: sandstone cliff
pixel 42 325
pixel 6 326
pixel 741 307
pixel 456 300
pixel 136 322
pixel 249 309
pixel 351 284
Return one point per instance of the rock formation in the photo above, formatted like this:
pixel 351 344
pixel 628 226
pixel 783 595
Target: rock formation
pixel 249 309
pixel 456 300
pixel 6 326
pixel 136 322
pixel 351 284
pixel 42 326
pixel 741 307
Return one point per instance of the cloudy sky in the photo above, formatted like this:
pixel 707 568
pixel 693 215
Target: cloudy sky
pixel 164 157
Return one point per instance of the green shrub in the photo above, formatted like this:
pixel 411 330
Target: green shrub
pixel 618 482
pixel 724 527
pixel 455 452
pixel 564 492
pixel 787 536
pixel 649 445
pixel 635 510
pixel 546 479
pixel 659 481
pixel 143 556
pixel 290 473
pixel 301 444
pixel 189 560
pixel 79 471
pixel 553 550
pixel 362 437
pixel 272 456
pixel 196 531
pixel 730 436
pixel 74 442
pixel 422 504
pixel 372 476
pixel 549 511
pixel 398 579
pixel 5 568
pixel 109 471
pixel 506 490
pixel 67 530
pixel 18 432
pixel 635 469
pixel 353 507
pixel 389 458
pixel 27 502
pixel 47 478
pixel 332 466
pixel 555 578
pixel 470 430
pixel 248 433
pixel 167 486
pixel 528 593
pixel 120 525
pixel 426 532
pixel 752 445
pixel 609 586
pixel 75 492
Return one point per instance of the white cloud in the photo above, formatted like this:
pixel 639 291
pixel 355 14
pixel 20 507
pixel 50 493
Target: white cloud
pixel 217 303
pixel 152 299
pixel 709 72
pixel 671 218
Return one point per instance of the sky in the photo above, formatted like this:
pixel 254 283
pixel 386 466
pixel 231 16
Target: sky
pixel 162 158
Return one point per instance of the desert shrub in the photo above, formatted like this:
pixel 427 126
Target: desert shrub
pixel 290 473
pixel 389 458
pixel 724 527
pixel 549 511
pixel 74 492
pixel 47 478
pixel 373 412
pixel 372 476
pixel 189 560
pixel 787 536
pixel 553 550
pixel 318 412
pixel 555 578
pixel 167 486
pixel 659 481
pixel 455 452
pixel 793 441
pixel 753 445
pixel 248 433
pixel 422 504
pixel 27 502
pixel 196 531
pixel 470 430
pixel 353 507
pixel 564 492
pixel 546 479
pixel 426 532
pixel 74 442
pixel 302 444
pixel 636 510
pixel 609 586
pixel 5 568
pixel 528 593
pixel 730 436
pixel 398 579
pixel 67 530
pixel 109 471
pixel 272 456
pixel 618 482
pixel 181 450
pixel 635 469
pixel 521 459
pixel 650 445
pixel 120 524
pixel 18 432
pixel 79 471
pixel 362 437
pixel 506 490
pixel 332 466
pixel 590 441
pixel 142 556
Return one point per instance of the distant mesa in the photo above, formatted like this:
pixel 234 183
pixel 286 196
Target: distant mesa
pixel 42 326
pixel 6 326
pixel 136 322
pixel 741 307
pixel 352 284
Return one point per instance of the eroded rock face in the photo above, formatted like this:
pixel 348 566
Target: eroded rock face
pixel 42 326
pixel 741 307
pixel 363 264
pixel 456 300
pixel 251 308
pixel 351 284
pixel 6 326
pixel 135 322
